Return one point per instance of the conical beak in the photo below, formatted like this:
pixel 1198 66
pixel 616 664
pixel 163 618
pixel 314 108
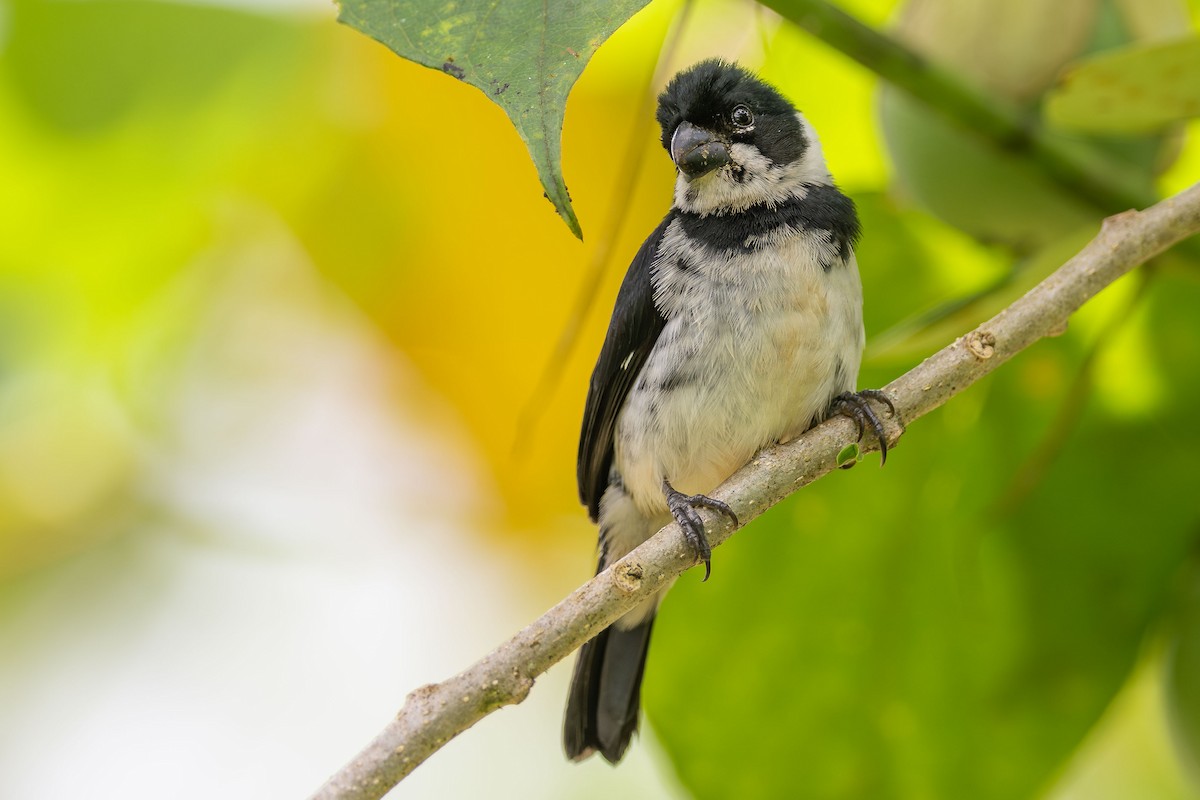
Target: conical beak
pixel 696 151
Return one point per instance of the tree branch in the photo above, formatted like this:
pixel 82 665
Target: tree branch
pixel 436 713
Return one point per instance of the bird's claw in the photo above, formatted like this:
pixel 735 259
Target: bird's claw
pixel 857 406
pixel 683 509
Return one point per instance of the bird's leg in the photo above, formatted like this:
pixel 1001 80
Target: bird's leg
pixel 857 406
pixel 683 509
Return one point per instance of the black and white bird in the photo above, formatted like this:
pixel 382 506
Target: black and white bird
pixel 738 325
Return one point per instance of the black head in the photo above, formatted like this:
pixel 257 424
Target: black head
pixel 712 106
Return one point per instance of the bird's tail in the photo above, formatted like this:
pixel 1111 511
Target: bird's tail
pixel 602 708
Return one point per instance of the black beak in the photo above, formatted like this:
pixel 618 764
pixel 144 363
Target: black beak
pixel 696 151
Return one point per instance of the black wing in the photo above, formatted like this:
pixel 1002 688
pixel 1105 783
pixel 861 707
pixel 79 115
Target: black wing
pixel 636 323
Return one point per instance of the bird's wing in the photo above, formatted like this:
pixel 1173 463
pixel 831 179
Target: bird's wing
pixel 635 326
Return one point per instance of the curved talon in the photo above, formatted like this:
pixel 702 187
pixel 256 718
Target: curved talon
pixel 683 509
pixel 853 412
pixel 857 406
pixel 881 396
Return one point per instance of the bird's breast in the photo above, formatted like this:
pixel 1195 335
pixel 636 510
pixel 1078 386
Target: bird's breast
pixel 757 342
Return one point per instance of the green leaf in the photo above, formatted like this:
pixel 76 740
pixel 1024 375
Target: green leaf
pixel 849 453
pixel 524 55
pixel 1130 90
pixel 936 646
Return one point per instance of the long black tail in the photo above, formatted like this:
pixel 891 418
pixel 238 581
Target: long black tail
pixel 602 708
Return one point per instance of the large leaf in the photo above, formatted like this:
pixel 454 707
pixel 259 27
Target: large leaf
pixel 525 55
pixel 894 634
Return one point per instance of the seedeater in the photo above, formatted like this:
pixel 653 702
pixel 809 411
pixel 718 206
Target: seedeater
pixel 738 325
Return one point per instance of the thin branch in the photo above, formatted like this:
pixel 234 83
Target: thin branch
pixel 436 713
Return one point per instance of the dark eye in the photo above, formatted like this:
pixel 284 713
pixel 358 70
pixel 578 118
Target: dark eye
pixel 742 117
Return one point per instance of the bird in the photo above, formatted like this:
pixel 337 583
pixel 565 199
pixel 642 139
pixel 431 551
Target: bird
pixel 738 325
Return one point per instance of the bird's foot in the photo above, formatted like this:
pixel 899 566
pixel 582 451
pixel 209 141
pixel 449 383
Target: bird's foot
pixel 857 406
pixel 683 509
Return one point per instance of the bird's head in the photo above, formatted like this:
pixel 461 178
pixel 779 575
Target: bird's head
pixel 736 141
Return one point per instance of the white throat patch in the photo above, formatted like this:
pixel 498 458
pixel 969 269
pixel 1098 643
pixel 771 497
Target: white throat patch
pixel 761 181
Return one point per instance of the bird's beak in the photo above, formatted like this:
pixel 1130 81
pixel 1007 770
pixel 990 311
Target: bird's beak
pixel 696 151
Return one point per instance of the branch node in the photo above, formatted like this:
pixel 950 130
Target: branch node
pixel 1118 220
pixel 982 344
pixel 629 578
pixel 522 683
pixel 421 696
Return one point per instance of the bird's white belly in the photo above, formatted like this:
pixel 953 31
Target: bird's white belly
pixel 752 353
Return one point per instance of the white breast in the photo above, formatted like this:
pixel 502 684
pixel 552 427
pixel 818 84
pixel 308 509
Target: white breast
pixel 755 346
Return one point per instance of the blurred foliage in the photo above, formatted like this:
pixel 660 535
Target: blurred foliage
pixel 117 151
pixel 953 625
pixel 1017 59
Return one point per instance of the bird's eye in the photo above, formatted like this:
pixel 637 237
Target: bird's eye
pixel 742 117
